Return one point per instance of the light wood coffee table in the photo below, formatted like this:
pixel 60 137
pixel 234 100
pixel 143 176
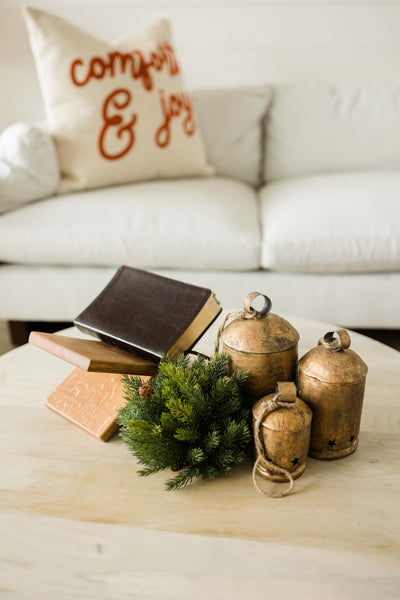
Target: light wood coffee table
pixel 77 522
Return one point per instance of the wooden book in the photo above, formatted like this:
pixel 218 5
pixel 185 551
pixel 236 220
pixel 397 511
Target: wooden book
pixel 90 400
pixel 92 355
pixel 149 315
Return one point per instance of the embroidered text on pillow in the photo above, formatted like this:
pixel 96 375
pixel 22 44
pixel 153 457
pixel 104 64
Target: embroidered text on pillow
pixel 118 119
pixel 132 63
pixel 119 100
pixel 173 107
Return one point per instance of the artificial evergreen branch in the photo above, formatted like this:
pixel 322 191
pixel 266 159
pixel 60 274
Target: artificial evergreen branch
pixel 191 418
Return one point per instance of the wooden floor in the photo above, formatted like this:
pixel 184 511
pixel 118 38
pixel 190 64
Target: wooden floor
pixel 388 337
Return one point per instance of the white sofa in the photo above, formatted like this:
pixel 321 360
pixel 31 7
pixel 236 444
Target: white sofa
pixel 304 206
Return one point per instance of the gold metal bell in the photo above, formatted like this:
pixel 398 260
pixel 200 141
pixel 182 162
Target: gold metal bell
pixel 331 381
pixel 261 343
pixel 286 433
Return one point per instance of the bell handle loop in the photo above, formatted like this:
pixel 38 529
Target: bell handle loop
pixel 248 313
pixel 286 390
pixel 257 314
pixel 335 341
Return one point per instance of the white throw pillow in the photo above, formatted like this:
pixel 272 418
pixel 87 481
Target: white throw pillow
pixel 317 128
pixel 28 165
pixel 231 121
pixel 118 111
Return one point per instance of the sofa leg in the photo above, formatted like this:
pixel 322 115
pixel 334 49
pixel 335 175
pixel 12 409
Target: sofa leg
pixel 19 332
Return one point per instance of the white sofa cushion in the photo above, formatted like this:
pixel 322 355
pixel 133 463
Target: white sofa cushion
pixel 231 123
pixel 315 128
pixel 187 223
pixel 332 223
pixel 28 165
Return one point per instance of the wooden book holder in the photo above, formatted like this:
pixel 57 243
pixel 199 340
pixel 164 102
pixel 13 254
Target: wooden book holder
pixel 92 355
pixel 92 394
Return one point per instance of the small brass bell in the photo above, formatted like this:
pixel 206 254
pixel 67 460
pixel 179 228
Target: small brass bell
pixel 282 428
pixel 261 343
pixel 331 381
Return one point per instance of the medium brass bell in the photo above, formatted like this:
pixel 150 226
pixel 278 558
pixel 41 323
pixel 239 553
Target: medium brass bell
pixel 331 381
pixel 261 343
pixel 282 428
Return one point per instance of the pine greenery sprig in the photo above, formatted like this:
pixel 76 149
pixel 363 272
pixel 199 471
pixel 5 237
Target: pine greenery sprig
pixel 191 418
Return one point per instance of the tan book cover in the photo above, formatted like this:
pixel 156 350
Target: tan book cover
pixel 90 400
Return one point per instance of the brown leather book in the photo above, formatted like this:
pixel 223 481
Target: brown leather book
pixel 148 314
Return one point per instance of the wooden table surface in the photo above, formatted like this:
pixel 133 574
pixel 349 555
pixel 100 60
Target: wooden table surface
pixel 77 522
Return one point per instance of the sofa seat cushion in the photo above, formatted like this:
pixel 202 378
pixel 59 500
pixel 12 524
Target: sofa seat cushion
pixel 185 223
pixel 332 223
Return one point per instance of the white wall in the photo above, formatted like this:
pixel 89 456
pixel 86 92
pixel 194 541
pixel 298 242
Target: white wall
pixel 222 42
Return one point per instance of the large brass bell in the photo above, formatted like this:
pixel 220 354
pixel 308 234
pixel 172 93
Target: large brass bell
pixel 261 343
pixel 331 381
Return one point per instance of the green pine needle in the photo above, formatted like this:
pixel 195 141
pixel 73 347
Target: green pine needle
pixel 195 419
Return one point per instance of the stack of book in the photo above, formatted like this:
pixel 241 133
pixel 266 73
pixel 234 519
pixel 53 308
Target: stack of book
pixel 137 318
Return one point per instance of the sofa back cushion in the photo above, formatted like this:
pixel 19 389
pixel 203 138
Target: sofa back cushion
pixel 231 122
pixel 118 111
pixel 315 128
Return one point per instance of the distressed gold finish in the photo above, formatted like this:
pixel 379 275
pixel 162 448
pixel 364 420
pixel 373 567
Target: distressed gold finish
pixel 285 433
pixel 263 344
pixel 331 381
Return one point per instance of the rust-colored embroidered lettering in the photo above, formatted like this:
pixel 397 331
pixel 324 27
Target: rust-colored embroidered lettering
pixel 172 107
pixel 132 63
pixel 117 101
pixel 118 121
